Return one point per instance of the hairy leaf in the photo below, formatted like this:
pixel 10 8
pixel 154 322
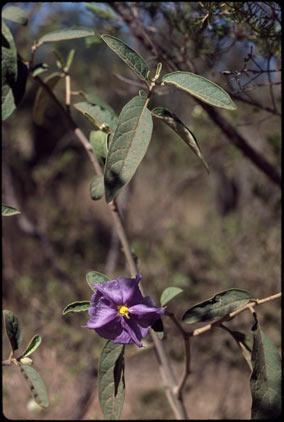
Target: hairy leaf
pixel 77 306
pixel 35 384
pixel 33 345
pixel 7 210
pixel 181 129
pixel 66 34
pixel 169 294
pixel 218 306
pixel 111 385
pixel 266 377
pixel 98 140
pixel 128 146
pixel 200 87
pixel 133 60
pixel 42 98
pixel 94 277
pixel 97 188
pixel 13 329
pixel 99 114
pixel 9 57
pixel 15 14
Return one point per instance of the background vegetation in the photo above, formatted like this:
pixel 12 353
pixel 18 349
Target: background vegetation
pixel 198 232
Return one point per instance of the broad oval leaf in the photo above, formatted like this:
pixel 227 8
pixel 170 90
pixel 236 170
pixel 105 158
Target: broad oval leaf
pixel 94 277
pixel 7 210
pixel 42 98
pixel 13 329
pixel 128 146
pixel 66 34
pixel 15 14
pixel 100 115
pixel 169 293
pixel 33 345
pixel 266 377
pixel 9 57
pixel 111 384
pixel 77 306
pixel 35 384
pixel 200 87
pixel 218 306
pixel 97 187
pixel 133 60
pixel 181 129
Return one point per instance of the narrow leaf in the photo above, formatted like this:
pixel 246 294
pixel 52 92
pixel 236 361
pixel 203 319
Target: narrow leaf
pixel 33 345
pixel 38 69
pixel 94 277
pixel 78 306
pixel 98 113
pixel 70 58
pixel 7 210
pixel 97 188
pixel 266 377
pixel 128 146
pixel 15 14
pixel 66 34
pixel 42 98
pixel 98 140
pixel 200 87
pixel 181 129
pixel 13 329
pixel 35 384
pixel 218 306
pixel 133 60
pixel 169 294
pixel 111 385
pixel 99 11
pixel 244 342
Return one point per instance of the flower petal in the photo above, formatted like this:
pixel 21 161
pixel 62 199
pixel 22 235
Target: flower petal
pixel 101 314
pixel 133 330
pixel 121 291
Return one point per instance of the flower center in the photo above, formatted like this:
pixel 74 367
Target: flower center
pixel 123 310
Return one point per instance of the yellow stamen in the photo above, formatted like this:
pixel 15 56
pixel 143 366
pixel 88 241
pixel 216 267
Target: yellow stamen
pixel 123 310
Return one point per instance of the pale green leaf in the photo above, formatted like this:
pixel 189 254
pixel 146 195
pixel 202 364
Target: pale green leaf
pixel 33 345
pixel 97 188
pixel 66 34
pixel 15 14
pixel 128 146
pixel 181 129
pixel 111 384
pixel 7 210
pixel 98 140
pixel 169 294
pixel 94 277
pixel 77 306
pixel 35 384
pixel 218 306
pixel 200 87
pixel 100 115
pixel 133 60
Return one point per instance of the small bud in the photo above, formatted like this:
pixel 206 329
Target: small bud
pixel 26 361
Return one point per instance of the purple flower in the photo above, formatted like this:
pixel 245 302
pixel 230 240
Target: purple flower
pixel 119 312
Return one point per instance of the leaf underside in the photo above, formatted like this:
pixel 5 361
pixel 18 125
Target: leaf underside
pixel 13 329
pixel 35 384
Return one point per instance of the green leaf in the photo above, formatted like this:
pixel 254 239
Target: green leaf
pixel 100 12
pixel 244 342
pixel 66 34
pixel 42 98
pixel 133 60
pixel 181 129
pixel 99 114
pixel 128 146
pixel 169 294
pixel 266 377
pixel 77 306
pixel 97 188
pixel 13 93
pixel 7 210
pixel 33 345
pixel 13 329
pixel 38 69
pixel 94 277
pixel 200 87
pixel 111 385
pixel 35 384
pixel 70 58
pixel 15 14
pixel 98 140
pixel 218 306
pixel 9 57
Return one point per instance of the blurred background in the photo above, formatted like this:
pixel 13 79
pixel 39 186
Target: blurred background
pixel 203 233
